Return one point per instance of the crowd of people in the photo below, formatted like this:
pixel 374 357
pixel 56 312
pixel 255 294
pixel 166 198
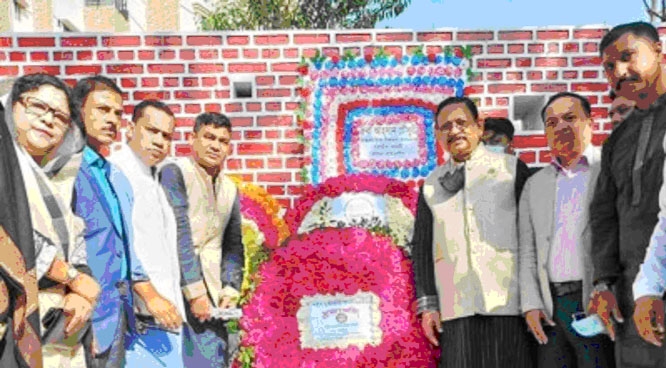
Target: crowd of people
pixel 514 270
pixel 118 258
pixel 113 259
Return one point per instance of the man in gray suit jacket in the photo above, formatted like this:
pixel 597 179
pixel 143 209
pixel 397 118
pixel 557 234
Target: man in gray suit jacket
pixel 555 259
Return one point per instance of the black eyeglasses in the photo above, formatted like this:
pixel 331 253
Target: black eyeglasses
pixel 40 108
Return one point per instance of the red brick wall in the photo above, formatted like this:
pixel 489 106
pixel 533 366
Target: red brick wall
pixel 193 73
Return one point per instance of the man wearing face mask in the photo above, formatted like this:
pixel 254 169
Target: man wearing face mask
pixel 498 135
pixel 625 208
pixel 465 270
pixel 555 258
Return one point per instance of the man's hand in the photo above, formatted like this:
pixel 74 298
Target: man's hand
pixel 85 286
pixel 200 308
pixel 604 304
pixel 432 325
pixel 77 311
pixel 533 318
pixel 228 302
pixel 165 312
pixel 649 319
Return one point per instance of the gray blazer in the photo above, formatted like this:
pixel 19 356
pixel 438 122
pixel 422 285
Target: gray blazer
pixel 536 225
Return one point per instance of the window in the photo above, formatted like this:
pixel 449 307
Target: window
pixel 243 89
pixel 527 112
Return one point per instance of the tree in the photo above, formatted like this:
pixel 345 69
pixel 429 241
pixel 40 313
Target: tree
pixel 656 10
pixel 304 14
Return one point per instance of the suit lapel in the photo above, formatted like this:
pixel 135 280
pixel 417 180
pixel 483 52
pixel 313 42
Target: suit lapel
pixel 100 196
pixel 547 205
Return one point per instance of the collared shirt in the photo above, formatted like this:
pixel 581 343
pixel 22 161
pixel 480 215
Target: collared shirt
pixel 565 260
pixel 100 170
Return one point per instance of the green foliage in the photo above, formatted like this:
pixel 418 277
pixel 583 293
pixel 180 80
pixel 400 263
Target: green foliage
pixel 246 356
pixel 303 14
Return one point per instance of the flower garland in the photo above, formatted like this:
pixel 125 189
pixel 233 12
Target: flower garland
pixel 312 209
pixel 329 262
pixel 263 230
pixel 340 94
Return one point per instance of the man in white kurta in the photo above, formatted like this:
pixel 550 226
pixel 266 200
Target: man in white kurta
pixel 160 316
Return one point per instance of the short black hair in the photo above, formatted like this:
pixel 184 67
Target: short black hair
pixel 87 85
pixel 500 125
pixel 31 82
pixel 212 118
pixel 639 29
pixel 583 102
pixel 471 106
pixel 138 109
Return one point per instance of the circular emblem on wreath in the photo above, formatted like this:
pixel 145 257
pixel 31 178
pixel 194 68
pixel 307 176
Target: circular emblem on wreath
pixel 341 318
pixel 356 209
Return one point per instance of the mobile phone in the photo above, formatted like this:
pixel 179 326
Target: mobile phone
pixel 588 326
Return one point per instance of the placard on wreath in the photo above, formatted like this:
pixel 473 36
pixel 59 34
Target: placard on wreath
pixel 375 114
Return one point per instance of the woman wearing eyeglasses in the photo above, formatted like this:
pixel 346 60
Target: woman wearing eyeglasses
pixel 38 117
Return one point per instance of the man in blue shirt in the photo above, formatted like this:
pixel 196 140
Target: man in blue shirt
pixel 103 197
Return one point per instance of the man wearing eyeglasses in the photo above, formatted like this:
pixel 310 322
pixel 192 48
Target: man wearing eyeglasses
pixel 466 247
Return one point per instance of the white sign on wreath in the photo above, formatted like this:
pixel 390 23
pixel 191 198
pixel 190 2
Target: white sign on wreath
pixel 339 321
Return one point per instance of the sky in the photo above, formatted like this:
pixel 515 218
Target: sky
pixel 512 14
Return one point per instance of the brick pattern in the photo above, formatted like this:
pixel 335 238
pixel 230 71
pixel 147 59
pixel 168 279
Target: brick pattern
pixel 193 73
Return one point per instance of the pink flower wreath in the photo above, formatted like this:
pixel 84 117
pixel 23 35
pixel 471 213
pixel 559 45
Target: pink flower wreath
pixel 331 261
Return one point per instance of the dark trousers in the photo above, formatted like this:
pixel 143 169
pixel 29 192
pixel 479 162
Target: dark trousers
pixel 485 342
pixel 204 344
pixel 567 349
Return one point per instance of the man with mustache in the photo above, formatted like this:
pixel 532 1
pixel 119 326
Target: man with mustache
pixel 160 310
pixel 102 196
pixel 207 208
pixel 624 210
pixel 465 247
pixel 555 257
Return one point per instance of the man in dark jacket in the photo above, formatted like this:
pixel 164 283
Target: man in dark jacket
pixel 625 205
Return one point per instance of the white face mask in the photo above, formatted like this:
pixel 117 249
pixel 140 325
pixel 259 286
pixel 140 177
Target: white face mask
pixel 496 149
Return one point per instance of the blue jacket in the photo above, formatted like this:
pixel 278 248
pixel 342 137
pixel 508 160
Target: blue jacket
pixel 108 245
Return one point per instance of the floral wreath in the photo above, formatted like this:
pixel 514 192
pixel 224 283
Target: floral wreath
pixel 342 94
pixel 332 262
pixel 312 210
pixel 263 230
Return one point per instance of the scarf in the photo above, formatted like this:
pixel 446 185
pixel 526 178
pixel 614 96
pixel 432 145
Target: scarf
pixel 18 281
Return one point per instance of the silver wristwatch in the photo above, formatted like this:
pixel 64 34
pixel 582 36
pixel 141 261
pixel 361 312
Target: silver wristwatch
pixel 72 273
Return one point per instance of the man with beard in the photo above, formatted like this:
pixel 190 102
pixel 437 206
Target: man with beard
pixel 555 258
pixel 624 210
pixel 207 208
pixel 465 247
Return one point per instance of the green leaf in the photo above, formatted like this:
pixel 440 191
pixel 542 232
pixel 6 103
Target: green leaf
pixel 233 326
pixel 304 175
pixel 448 51
pixel 467 51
